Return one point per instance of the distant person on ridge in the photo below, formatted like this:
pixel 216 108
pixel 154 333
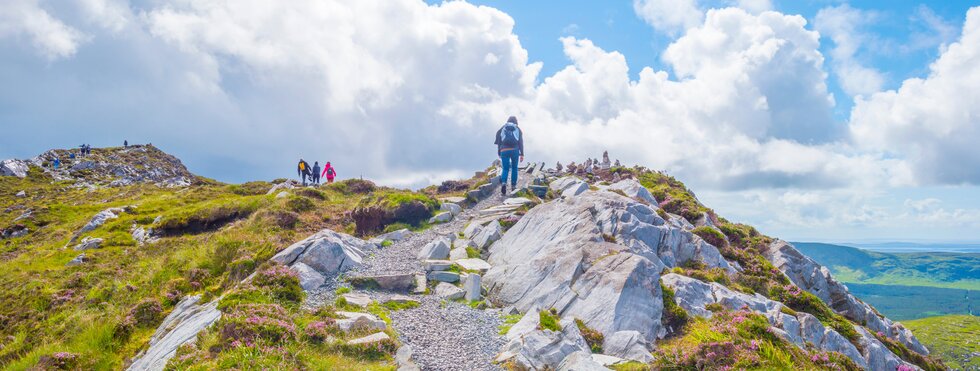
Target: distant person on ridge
pixel 329 172
pixel 316 173
pixel 57 162
pixel 125 143
pixel 510 147
pixel 303 170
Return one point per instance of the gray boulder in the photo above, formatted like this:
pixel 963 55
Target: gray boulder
pixel 309 278
pixel 98 220
pixel 21 194
pixel 580 361
pixel 453 208
pixel 488 235
pixel 627 345
pixel 458 254
pixel 811 276
pixel 89 243
pixel 438 249
pixel 443 276
pixel 541 349
pixel 443 217
pixel 633 188
pixel 448 291
pixel 181 326
pixel 557 256
pixel 78 260
pixel 472 230
pixel 472 287
pixel 575 189
pixel 326 253
pixel 13 167
pixel 354 321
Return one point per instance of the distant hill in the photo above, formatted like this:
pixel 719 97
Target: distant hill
pixel 954 338
pixel 853 265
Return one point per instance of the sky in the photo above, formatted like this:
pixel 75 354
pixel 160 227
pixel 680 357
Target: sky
pixel 813 120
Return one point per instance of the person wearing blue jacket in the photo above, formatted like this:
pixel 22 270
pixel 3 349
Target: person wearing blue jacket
pixel 510 148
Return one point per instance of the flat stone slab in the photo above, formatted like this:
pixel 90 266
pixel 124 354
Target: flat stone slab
pixel 436 265
pixel 443 276
pixel 359 321
pixel 401 299
pixel 358 299
pixel 519 201
pixel 453 200
pixel 392 282
pixel 474 264
pixel 370 339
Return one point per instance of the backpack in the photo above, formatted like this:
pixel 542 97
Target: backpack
pixel 510 136
pixel 302 166
pixel 330 172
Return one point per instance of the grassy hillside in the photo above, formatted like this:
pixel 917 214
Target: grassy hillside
pixel 852 265
pixel 954 338
pixel 911 302
pixel 211 235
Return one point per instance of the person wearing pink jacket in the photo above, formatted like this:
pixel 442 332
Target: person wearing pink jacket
pixel 329 172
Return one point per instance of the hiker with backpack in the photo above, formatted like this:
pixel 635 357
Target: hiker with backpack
pixel 329 172
pixel 316 173
pixel 510 148
pixel 303 170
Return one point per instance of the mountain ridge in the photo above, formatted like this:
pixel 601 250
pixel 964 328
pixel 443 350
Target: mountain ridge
pixel 174 237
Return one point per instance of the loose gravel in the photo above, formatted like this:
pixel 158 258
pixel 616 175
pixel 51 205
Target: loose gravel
pixel 450 335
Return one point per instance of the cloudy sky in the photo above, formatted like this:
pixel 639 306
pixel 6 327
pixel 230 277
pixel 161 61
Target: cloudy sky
pixel 813 120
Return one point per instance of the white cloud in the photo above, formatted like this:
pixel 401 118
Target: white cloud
pixel 843 25
pixel 931 122
pixel 51 37
pixel 669 16
pixel 111 14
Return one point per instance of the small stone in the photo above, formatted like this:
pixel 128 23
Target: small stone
pixel 421 284
pixel 78 260
pixel 391 282
pixel 457 254
pixel 444 276
pixel 452 208
pixel 436 265
pixel 401 299
pixel 472 230
pixel 21 194
pixel 89 243
pixel 449 292
pixel 453 200
pixel 359 321
pixel 361 300
pixel 443 217
pixel 518 201
pixel 282 194
pixel 474 264
pixel 472 287
pixel 370 339
pixel 437 249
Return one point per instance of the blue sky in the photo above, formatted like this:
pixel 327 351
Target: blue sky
pixel 813 120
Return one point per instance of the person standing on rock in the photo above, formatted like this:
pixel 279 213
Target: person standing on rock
pixel 303 170
pixel 316 173
pixel 329 172
pixel 125 143
pixel 510 147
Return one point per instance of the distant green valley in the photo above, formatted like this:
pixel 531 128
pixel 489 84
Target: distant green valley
pixel 904 286
pixel 954 338
pixel 940 269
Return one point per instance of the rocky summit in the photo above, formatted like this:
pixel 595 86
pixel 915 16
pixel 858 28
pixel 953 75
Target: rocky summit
pixel 124 260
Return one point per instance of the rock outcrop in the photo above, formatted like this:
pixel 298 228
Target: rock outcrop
pixel 14 167
pixel 530 348
pixel 811 276
pixel 597 257
pixel 179 327
pixel 323 255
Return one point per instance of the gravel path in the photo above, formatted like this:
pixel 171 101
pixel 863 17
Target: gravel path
pixel 443 336
pixel 452 336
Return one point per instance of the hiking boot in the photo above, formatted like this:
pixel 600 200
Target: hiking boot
pixel 503 189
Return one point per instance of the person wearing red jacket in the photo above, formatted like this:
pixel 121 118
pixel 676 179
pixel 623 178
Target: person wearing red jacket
pixel 329 172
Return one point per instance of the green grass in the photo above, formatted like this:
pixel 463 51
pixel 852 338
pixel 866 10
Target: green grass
pixel 548 320
pixel 954 338
pixel 216 234
pixel 509 321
